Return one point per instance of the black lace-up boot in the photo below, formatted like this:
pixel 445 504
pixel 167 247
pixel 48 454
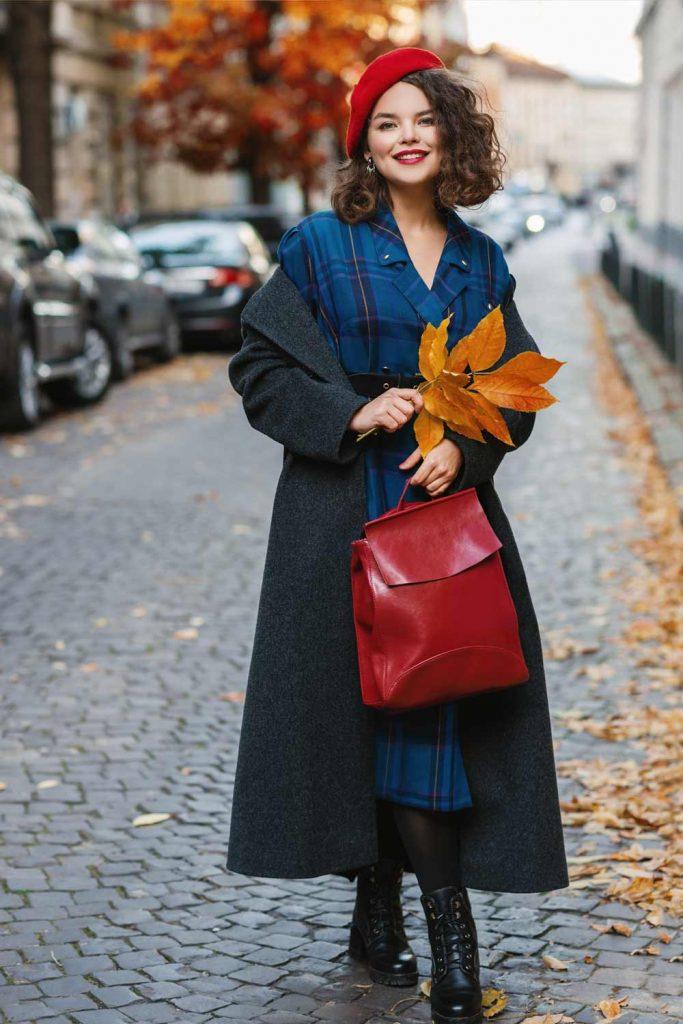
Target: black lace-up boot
pixel 456 991
pixel 377 931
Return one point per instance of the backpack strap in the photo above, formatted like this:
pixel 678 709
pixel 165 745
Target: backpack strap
pixel 490 272
pixel 509 291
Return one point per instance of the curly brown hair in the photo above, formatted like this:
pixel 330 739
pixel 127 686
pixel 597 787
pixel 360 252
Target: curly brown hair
pixel 472 160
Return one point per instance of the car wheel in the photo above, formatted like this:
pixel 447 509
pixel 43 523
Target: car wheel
pixel 93 380
pixel 172 344
pixel 20 404
pixel 122 360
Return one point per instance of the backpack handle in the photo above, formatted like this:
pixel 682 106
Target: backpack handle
pixel 403 492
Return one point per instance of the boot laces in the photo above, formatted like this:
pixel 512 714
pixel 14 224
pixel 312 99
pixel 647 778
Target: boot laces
pixel 384 904
pixel 454 938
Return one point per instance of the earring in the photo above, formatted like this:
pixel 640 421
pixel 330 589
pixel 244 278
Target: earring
pixel 370 165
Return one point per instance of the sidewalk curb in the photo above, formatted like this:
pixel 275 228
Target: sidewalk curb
pixel 657 384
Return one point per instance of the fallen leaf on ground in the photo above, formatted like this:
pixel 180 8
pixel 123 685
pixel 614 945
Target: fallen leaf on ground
pixel 549 1018
pixel 635 802
pixel 620 927
pixel 493 1001
pixel 186 634
pixel 47 784
pixel 646 951
pixel 150 819
pixel 611 1008
pixel 554 964
pixel 35 500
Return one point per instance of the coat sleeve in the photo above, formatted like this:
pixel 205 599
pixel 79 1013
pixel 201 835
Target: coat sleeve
pixel 283 399
pixel 295 259
pixel 482 459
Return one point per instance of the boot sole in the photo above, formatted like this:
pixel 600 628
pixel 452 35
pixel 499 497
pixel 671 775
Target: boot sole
pixel 475 1018
pixel 358 952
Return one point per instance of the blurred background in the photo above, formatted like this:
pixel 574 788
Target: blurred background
pixel 155 151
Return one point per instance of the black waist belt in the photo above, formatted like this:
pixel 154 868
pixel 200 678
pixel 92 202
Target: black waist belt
pixel 373 384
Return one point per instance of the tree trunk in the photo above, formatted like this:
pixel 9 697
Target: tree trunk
pixel 260 184
pixel 259 188
pixel 30 57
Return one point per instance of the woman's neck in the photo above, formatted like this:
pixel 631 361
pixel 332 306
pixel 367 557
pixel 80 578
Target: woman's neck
pixel 414 210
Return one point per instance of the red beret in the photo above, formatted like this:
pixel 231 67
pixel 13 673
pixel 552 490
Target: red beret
pixel 379 75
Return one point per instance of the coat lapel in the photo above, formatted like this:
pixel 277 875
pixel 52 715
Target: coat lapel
pixel 451 273
pixel 279 311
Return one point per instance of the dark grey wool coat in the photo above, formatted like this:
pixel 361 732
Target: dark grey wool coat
pixel 304 802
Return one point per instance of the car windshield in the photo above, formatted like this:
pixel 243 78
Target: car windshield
pixel 191 238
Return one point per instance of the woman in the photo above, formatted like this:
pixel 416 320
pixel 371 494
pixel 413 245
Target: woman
pixel 463 794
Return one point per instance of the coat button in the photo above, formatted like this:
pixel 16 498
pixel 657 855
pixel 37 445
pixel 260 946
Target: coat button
pixel 489 305
pixel 386 256
pixel 464 262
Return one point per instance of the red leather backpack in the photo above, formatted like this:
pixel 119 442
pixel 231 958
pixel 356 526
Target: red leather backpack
pixel 434 617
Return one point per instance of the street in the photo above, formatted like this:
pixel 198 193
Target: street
pixel 132 538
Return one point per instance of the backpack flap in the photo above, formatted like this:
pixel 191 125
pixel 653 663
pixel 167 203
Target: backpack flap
pixel 431 540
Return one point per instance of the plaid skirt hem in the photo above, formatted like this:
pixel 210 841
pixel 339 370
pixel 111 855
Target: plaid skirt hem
pixel 418 759
pixel 428 802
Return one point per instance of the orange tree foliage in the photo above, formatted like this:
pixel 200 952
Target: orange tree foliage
pixel 247 83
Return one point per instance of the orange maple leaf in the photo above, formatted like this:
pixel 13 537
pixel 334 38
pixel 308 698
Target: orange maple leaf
pixel 460 391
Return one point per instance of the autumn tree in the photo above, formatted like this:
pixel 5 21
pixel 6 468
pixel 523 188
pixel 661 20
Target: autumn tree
pixel 250 84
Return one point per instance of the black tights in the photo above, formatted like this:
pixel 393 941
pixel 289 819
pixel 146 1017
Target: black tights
pixel 431 838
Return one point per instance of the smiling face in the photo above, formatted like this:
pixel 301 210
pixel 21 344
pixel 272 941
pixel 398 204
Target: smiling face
pixel 404 122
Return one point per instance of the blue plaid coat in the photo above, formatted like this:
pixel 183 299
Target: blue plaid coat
pixel 372 306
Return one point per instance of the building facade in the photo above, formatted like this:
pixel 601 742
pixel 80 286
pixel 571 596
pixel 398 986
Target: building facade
pixel 645 260
pixel 98 167
pixel 567 131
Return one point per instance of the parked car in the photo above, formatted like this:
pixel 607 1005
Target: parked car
pixel 269 220
pixel 132 311
pixel 503 227
pixel 209 269
pixel 498 217
pixel 542 210
pixel 509 225
pixel 46 337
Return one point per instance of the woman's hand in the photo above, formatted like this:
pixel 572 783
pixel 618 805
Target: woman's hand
pixel 390 411
pixel 439 468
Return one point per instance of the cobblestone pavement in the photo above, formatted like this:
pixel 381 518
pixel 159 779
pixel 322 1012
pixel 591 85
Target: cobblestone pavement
pixel 133 538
